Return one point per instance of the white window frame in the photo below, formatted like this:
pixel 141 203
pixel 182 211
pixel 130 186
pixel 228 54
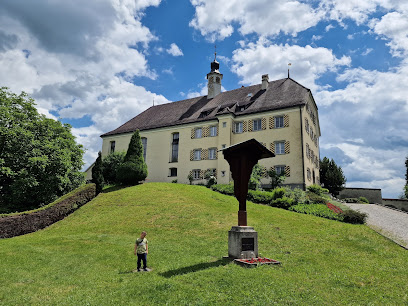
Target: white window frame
pixel 213 131
pixel 144 145
pixel 197 154
pixel 257 124
pixel 212 153
pixel 280 120
pixel 279 147
pixel 279 169
pixel 198 135
pixel 238 127
pixel 196 174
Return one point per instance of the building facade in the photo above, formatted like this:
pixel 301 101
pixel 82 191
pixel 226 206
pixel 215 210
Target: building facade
pixel 184 138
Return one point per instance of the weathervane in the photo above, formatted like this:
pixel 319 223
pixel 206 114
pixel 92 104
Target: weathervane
pixel 215 52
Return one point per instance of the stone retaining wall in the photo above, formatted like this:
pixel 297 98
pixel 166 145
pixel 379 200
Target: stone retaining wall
pixel 372 195
pixel 396 203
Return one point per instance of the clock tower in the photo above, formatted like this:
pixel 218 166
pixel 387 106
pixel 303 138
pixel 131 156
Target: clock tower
pixel 214 79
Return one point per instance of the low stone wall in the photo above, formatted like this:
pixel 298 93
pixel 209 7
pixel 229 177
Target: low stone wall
pixel 396 203
pixel 28 222
pixel 372 195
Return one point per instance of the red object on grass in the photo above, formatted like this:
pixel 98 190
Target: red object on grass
pixel 334 208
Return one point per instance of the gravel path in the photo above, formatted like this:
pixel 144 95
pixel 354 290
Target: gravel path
pixel 388 222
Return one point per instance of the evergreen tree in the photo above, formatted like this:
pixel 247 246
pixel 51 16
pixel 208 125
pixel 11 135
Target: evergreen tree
pixel 406 179
pixel 97 174
pixel 331 176
pixel 134 169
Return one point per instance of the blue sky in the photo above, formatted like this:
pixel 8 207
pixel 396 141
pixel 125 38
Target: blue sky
pixel 97 64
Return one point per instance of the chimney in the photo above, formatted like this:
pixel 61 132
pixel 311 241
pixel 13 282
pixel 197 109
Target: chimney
pixel 265 81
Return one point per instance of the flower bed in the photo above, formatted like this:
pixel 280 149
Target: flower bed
pixel 254 262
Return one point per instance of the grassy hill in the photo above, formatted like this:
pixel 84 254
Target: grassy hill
pixel 87 258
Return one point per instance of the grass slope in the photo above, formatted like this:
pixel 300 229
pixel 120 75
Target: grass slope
pixel 87 258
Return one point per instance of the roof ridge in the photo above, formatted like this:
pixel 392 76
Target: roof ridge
pixel 298 83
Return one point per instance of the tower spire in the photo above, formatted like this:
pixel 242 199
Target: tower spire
pixel 289 64
pixel 215 52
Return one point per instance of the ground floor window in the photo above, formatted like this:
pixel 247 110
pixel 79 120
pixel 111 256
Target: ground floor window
pixel 279 169
pixel 173 171
pixel 196 174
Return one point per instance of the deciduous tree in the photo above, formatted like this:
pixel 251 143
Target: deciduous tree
pixel 39 158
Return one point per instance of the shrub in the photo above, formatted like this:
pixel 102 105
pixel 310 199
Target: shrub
pixel 97 176
pixel 211 179
pixel 354 217
pixel 255 179
pixel 313 198
pixel 351 200
pixel 319 210
pixel 278 193
pixel 297 194
pixel 283 202
pixel 263 197
pixel 317 189
pixel 134 169
pixel 190 178
pixel 110 166
pixel 363 200
pixel 174 181
pixel 276 179
pixel 223 188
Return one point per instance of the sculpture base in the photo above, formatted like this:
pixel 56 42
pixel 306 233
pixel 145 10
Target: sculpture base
pixel 242 242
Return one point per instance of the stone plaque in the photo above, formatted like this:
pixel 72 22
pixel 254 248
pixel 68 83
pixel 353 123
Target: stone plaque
pixel 248 244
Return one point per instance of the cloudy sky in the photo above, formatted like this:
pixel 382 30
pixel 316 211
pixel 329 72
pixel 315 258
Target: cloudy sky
pixel 96 64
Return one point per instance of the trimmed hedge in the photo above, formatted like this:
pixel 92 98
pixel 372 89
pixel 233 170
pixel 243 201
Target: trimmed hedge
pixel 319 210
pixel 17 224
pixel 224 189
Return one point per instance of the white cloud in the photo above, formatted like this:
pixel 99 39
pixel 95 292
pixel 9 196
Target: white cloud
pixel 316 37
pixel 372 108
pixel 215 19
pixel 394 27
pixel 329 27
pixel 79 61
pixel 308 63
pixel 367 52
pixel 357 10
pixel 174 50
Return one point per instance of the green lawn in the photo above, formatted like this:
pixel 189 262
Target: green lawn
pixel 87 258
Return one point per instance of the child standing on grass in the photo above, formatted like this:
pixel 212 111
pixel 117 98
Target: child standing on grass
pixel 141 251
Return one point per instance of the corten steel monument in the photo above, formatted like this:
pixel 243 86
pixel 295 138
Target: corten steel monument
pixel 242 157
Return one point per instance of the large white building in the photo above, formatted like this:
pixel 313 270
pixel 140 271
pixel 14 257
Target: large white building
pixel 184 137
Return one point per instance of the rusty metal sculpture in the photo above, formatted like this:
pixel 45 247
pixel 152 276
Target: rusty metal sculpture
pixel 242 157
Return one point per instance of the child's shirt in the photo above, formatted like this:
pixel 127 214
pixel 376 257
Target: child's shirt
pixel 141 245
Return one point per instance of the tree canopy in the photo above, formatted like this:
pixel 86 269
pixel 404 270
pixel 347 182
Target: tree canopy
pixel 331 176
pixel 39 158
